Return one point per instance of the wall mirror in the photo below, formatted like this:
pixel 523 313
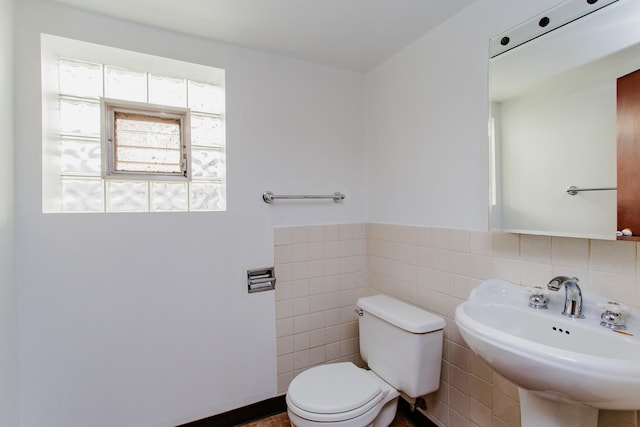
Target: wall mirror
pixel 563 98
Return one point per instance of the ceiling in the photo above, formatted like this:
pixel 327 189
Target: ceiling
pixel 350 34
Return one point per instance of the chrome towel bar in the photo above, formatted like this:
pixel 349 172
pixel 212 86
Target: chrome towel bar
pixel 573 190
pixel 269 197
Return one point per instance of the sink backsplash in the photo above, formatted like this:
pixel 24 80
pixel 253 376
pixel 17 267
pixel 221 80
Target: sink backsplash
pixel 435 268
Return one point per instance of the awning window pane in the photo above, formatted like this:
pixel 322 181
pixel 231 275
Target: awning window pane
pixel 146 143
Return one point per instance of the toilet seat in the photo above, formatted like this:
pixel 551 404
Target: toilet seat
pixel 335 392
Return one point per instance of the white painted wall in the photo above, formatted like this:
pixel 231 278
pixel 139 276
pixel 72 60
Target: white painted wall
pixel 8 290
pixel 426 115
pixel 144 319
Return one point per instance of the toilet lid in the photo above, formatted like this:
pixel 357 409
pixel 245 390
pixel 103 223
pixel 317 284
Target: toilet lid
pixel 334 388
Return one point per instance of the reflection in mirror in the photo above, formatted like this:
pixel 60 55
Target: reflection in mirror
pixel 554 121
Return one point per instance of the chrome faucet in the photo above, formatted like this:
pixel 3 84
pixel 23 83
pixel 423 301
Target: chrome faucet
pixel 573 295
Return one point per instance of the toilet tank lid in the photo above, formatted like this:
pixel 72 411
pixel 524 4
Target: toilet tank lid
pixel 401 314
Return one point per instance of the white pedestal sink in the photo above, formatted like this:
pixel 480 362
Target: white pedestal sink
pixel 566 368
pixel 539 411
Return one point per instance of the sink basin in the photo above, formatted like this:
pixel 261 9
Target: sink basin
pixel 556 357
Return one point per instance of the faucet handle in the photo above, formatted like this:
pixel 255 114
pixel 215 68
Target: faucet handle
pixel 613 317
pixel 614 307
pixel 538 290
pixel 538 297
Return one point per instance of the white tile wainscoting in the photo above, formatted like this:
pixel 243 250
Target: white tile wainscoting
pixel 323 269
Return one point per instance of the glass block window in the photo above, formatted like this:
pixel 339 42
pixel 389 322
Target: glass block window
pixel 128 140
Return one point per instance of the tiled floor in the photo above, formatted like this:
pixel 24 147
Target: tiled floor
pixel 281 420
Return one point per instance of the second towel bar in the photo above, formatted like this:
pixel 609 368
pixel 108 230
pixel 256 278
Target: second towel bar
pixel 573 190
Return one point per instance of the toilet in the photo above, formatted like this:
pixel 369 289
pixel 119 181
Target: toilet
pixel 402 346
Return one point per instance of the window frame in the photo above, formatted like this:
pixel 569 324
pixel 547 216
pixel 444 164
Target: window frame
pixel 109 107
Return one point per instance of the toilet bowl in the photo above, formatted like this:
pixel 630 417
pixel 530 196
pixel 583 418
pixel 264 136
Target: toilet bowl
pixel 402 346
pixel 340 394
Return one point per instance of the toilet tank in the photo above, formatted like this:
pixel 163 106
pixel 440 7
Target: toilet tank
pixel 401 343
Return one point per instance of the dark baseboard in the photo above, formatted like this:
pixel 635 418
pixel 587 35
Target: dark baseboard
pixel 277 405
